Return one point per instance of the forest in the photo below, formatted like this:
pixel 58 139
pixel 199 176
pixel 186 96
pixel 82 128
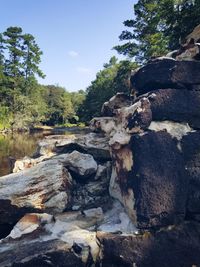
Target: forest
pixel 157 28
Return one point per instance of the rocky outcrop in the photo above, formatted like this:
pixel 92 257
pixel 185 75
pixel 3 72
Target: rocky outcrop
pixel 127 194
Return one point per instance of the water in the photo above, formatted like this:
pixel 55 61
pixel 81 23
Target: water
pixel 18 145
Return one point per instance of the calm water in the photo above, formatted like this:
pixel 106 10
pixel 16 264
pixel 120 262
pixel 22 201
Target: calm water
pixel 16 146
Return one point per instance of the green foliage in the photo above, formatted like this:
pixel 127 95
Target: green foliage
pixel 23 102
pixel 112 79
pixel 158 27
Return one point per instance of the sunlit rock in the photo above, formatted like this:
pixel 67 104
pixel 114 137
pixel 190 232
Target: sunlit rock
pixel 45 187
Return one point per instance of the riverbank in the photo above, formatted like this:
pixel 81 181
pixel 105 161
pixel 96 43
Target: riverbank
pixel 16 145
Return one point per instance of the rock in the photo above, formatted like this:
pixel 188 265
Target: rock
pixel 149 178
pixel 95 192
pixel 189 51
pixel 103 125
pixel 81 164
pixel 47 146
pixel 162 105
pixel 117 101
pixel 28 162
pixel 167 73
pixel 43 188
pixel 171 247
pixel 195 35
pixel 190 146
pixel 175 105
pixel 92 143
pixel 52 241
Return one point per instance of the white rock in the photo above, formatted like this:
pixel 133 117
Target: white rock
pixel 175 129
pixel 82 164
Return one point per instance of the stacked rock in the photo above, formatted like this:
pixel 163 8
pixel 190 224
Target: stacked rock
pixel 155 144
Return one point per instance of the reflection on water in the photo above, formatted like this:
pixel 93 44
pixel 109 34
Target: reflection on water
pixel 16 146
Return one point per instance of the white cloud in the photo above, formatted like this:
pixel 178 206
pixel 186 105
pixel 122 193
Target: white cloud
pixel 84 70
pixel 73 53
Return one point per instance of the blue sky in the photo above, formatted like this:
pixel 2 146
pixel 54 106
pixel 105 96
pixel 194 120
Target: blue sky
pixel 76 36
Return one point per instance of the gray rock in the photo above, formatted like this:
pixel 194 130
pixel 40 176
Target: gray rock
pixel 43 188
pixel 82 164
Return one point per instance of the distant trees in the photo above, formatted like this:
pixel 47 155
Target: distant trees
pixel 112 79
pixel 158 26
pixel 24 102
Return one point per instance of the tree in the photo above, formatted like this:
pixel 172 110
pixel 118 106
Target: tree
pixel 112 79
pixel 32 57
pixel 158 27
pixel 13 41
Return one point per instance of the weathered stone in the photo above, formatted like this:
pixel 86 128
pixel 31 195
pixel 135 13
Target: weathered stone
pixel 44 188
pixel 94 193
pixel 117 101
pixel 52 242
pixel 167 73
pixel 96 145
pixel 28 162
pixel 190 146
pixel 172 247
pixel 164 105
pixel 176 105
pixel 149 178
pixel 47 146
pixel 195 35
pixel 82 164
pixel 103 124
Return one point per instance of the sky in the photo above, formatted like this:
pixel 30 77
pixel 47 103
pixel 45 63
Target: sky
pixel 76 36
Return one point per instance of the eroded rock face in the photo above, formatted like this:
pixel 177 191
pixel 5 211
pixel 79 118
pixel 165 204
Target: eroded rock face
pixel 167 73
pixel 44 188
pixel 118 101
pixel 172 247
pixel 149 178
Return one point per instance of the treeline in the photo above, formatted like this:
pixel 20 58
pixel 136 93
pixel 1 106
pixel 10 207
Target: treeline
pixel 115 77
pixel 23 102
pixel 158 26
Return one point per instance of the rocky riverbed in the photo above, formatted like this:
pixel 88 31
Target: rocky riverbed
pixel 126 194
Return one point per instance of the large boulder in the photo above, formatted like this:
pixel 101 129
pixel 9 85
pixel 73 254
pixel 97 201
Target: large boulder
pixel 166 105
pixel 167 73
pixel 45 187
pixel 172 247
pixel 149 178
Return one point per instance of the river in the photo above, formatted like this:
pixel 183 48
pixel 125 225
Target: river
pixel 18 145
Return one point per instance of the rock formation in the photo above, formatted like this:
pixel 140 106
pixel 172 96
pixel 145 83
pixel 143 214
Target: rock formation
pixel 126 195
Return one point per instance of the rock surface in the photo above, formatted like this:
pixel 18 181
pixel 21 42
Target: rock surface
pixel 173 247
pixel 167 73
pixel 126 195
pixel 118 101
pixel 43 188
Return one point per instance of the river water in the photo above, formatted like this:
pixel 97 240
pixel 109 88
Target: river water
pixel 17 145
